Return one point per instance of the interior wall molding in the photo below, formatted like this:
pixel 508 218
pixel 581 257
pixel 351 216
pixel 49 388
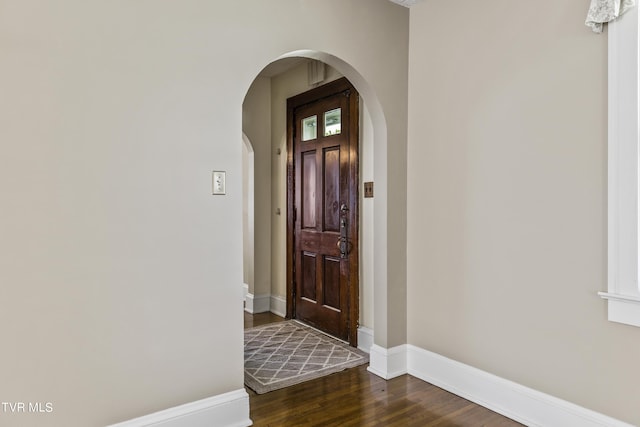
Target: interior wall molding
pixel 365 339
pixel 225 410
pixel 388 363
pixel 265 303
pixel 257 303
pixel 278 306
pixel 525 405
pixel 623 246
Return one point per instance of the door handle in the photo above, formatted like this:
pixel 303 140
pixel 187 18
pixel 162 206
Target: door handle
pixel 343 246
pixel 343 242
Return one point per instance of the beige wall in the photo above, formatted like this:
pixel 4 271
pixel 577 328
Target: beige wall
pixel 256 124
pixel 367 248
pixel 507 199
pixel 248 235
pixel 246 252
pixel 120 272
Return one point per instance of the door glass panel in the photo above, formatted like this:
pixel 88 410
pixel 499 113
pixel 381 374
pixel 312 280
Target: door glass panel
pixel 310 128
pixel 332 122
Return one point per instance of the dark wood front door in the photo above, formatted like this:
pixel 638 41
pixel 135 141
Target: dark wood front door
pixel 322 222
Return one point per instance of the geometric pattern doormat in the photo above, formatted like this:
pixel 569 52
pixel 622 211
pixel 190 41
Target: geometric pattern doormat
pixel 282 354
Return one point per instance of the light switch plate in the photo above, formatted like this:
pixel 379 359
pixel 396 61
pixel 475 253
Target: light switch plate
pixel 368 189
pixel 219 185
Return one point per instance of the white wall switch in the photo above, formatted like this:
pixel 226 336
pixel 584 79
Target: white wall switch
pixel 218 182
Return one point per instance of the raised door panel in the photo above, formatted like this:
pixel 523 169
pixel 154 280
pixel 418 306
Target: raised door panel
pixel 331 184
pixel 308 287
pixel 308 184
pixel 331 286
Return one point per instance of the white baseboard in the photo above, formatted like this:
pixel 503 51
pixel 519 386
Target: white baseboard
pixel 224 410
pixel 522 404
pixel 278 306
pixel 257 303
pixel 265 303
pixel 388 362
pixel 245 291
pixel 248 303
pixel 365 339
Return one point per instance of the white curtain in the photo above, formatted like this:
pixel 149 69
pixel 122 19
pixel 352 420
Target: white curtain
pixel 602 11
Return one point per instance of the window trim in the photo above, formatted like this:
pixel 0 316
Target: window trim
pixel 623 295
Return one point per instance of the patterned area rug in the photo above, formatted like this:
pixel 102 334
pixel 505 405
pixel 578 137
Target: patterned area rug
pixel 282 354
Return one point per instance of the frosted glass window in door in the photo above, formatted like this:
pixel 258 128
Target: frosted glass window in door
pixel 332 122
pixel 310 128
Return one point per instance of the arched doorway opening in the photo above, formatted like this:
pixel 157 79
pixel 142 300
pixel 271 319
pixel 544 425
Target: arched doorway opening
pixel 264 113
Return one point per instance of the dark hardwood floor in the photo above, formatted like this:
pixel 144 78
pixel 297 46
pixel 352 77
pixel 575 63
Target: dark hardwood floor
pixel 252 320
pixel 355 397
